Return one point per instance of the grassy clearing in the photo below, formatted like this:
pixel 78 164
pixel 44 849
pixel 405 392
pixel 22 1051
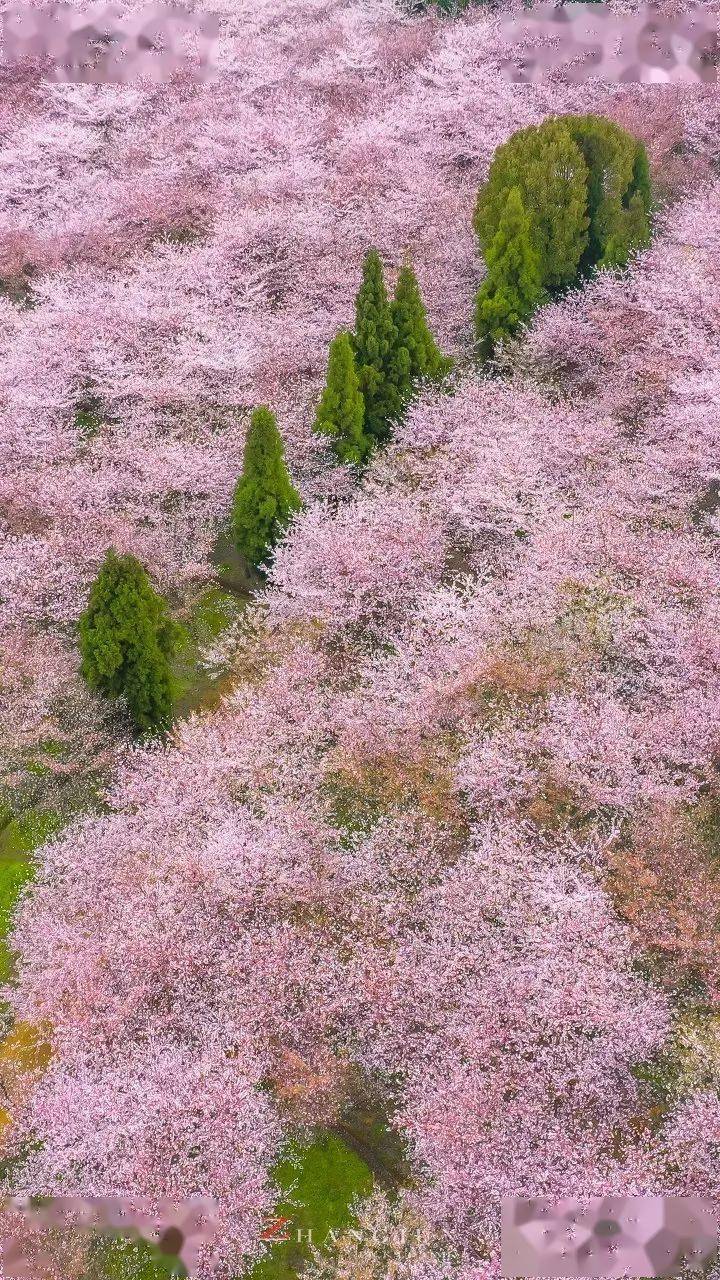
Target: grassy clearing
pixel 316 1185
pixel 18 839
pixel 209 617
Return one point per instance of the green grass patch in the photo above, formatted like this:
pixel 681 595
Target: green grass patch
pixel 182 235
pixel 232 566
pixel 88 417
pixel 355 808
pixel 316 1184
pixel 708 819
pixel 38 766
pixel 23 834
pixel 38 769
pixel 88 421
pixel 211 615
pixel 14 874
pixel 18 838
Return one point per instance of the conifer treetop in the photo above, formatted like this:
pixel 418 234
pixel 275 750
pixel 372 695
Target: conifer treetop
pixel 341 412
pixel 265 498
pixel 513 285
pixel 127 639
pixel 424 359
pixel 375 343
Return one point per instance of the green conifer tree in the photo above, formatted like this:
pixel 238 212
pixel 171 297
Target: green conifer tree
pixel 341 412
pixel 419 355
pixel 634 230
pixel 640 184
pixel 548 168
pixel 377 358
pixel 618 171
pixel 607 151
pixel 584 181
pixel 127 640
pixel 265 498
pixel 513 287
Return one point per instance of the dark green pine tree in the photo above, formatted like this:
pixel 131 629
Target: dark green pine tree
pixel 127 640
pixel 375 344
pixel 608 152
pixel 512 288
pixel 420 358
pixel 265 498
pixel 341 412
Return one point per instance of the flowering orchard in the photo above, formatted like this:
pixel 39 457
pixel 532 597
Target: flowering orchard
pixel 454 832
pixel 173 255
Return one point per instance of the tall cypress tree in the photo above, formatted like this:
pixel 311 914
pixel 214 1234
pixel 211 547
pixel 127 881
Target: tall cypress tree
pixel 633 228
pixel 375 344
pixel 341 412
pixel 419 355
pixel 513 285
pixel 640 183
pixel 265 498
pixel 127 640
pixel 607 151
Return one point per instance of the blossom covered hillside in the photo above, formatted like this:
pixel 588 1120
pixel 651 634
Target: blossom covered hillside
pixel 171 256
pixel 446 854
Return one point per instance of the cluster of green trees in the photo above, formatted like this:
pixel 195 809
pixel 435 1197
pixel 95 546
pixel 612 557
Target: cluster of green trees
pixel 371 375
pixel 561 199
pixel 127 638
pixel 373 371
